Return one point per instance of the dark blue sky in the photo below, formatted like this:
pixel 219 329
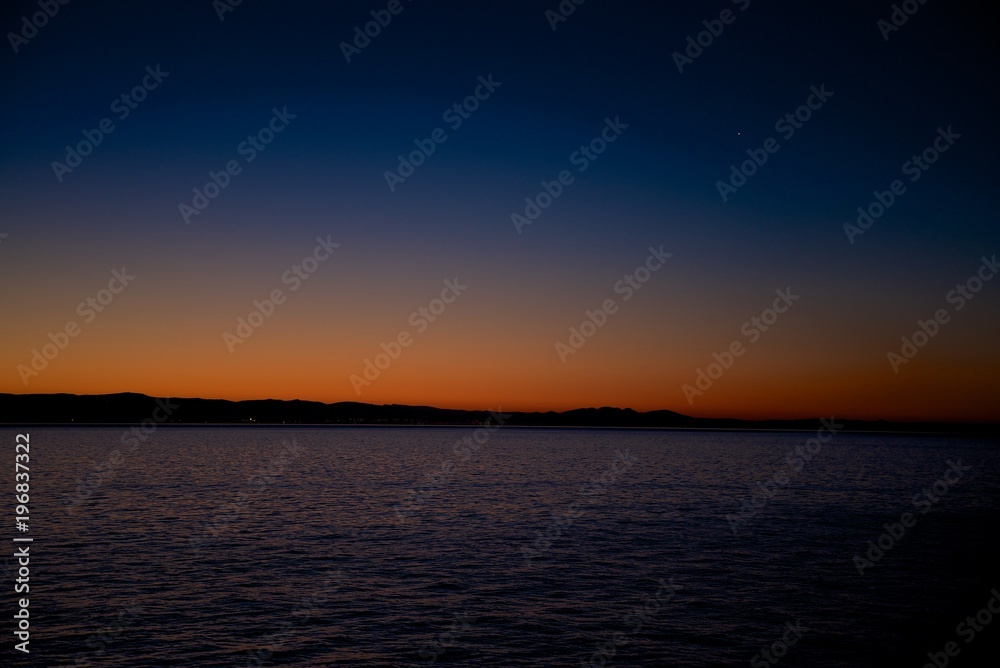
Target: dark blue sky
pixel 656 184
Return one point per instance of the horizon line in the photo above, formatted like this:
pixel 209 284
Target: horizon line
pixel 987 423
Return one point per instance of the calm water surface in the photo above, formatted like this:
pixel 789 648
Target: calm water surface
pixel 531 547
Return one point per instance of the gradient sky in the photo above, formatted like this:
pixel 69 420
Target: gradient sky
pixel 323 176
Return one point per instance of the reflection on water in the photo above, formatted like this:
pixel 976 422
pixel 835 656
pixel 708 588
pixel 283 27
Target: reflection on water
pixel 538 547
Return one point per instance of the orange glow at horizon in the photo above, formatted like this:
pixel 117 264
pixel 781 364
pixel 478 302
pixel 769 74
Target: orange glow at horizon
pixel 439 371
pixel 495 346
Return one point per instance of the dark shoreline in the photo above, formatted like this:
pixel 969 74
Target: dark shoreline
pixel 993 433
pixel 110 410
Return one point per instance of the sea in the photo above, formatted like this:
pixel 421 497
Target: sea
pixel 483 546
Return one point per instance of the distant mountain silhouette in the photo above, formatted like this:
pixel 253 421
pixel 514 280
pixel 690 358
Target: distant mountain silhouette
pixel 130 408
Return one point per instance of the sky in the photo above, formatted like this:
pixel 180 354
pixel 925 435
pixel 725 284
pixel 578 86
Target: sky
pixel 629 127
